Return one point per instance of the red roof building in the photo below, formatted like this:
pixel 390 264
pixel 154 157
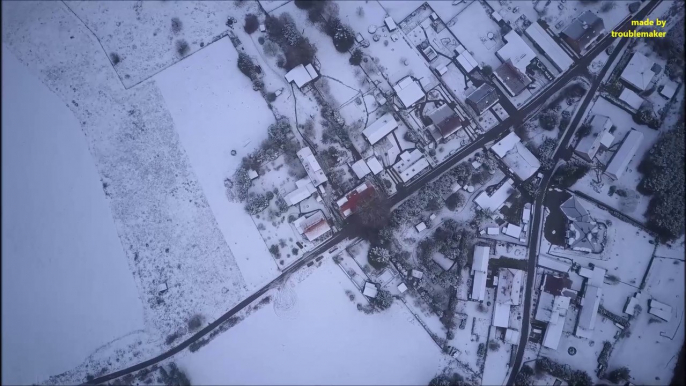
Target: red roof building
pixel 348 204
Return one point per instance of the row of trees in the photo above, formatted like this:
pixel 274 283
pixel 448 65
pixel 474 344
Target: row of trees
pixel 342 35
pixel 573 377
pixel 671 47
pixel 570 172
pixel 663 178
pixel 296 48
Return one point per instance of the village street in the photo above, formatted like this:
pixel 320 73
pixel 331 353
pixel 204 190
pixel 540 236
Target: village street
pixel 349 232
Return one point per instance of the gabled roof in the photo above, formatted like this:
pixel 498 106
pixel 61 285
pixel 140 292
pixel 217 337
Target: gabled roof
pixel 552 50
pixel 408 91
pixel 631 98
pixel 574 211
pixel 483 97
pixel 588 146
pixel 302 75
pixel 623 156
pixel 312 167
pixel 360 168
pixel 380 128
pixel 584 29
pixel 348 204
pixel 481 255
pixel 516 51
pixel 512 78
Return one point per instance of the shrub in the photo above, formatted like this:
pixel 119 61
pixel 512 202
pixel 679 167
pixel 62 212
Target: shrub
pixel 621 374
pixel 584 131
pixel 295 251
pixel 378 257
pixel 176 25
pixel 255 204
pixel 251 23
pixel 269 195
pixel 343 37
pixel 569 173
pixel 274 250
pixel 195 322
pixel 182 47
pixel 383 300
pixel 304 4
pixel 261 40
pixel 246 65
pixel 548 120
pixel 271 97
pixel 487 70
pixel 454 201
pixel 356 57
pixel 114 57
pixel 493 345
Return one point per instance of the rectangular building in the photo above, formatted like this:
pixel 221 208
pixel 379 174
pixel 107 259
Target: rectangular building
pixel 312 167
pixel 549 47
pixel 380 128
pixel 623 156
pixel 588 146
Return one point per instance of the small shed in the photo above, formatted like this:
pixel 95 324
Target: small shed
pixel 420 227
pixel 370 290
pixel 607 139
pixel 493 231
pixel 374 165
pixel 252 174
pixel 390 24
pixel 668 89
pixel 513 230
pixel 402 288
pixel 432 216
pixel 162 288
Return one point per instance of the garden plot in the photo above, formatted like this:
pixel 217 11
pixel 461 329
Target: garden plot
pixel 472 27
pixel 299 330
pixel 634 204
pixel 163 218
pixel 674 250
pixel 627 250
pixel 475 334
pixel 212 103
pixel 497 362
pixel 143 35
pixel 66 282
pixel 511 251
pixel 456 142
pixel 653 338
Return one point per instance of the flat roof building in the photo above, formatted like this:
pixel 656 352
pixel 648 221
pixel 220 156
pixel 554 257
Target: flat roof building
pixel 623 156
pixel 668 89
pixel 549 47
pixel 467 61
pixel 374 165
pixel 409 92
pixel 370 290
pixel 380 128
pixel 631 98
pixel 589 312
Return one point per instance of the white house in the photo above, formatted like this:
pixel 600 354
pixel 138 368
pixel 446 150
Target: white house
pixel 516 51
pixel 312 226
pixel 516 156
pixel 374 165
pixel 380 128
pixel 312 167
pixel 639 72
pixel 479 269
pixel 302 75
pixel 631 98
pixel 411 163
pixel 623 156
pixel 495 200
pixel 408 91
pixel 360 168
pixel 668 89
pixel 304 189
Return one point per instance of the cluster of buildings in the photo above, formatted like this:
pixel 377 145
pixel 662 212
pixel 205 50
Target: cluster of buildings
pixel 516 156
pixel 583 233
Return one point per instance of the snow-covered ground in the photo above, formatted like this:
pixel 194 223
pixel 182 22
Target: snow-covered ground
pixel 314 334
pixel 497 369
pixel 65 278
pixel 141 32
pixel 211 116
pixel 654 339
pixel 472 26
pixel 164 221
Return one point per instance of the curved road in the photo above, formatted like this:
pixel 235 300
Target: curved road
pixel 564 153
pixel 349 232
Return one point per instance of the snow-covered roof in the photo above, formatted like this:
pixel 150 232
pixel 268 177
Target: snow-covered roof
pixel 313 226
pixel 252 174
pixel 554 264
pixel 668 89
pixel 526 215
pixel 549 304
pixel 442 261
pixel 574 211
pixel 595 276
pixel 512 78
pixel 553 331
pixel 162 287
pixel 360 168
pixel 482 98
pixel 390 23
pixel 420 227
pixel 513 230
pixel 467 61
pixel 522 161
pixel 481 255
pixel 370 290
pixel 302 75
pixel 493 230
pixel 623 156
pixel 417 274
pixel 506 144
pixel 380 128
pixel 588 146
pixel 312 167
pixel 632 302
pixel 374 165
pixel 512 336
pixel 662 314
pixel 304 190
pixel 408 91
pixel 583 30
pixel 516 50
pixel 402 288
pixel 501 315
pixel 550 48
pixel 658 305
pixel 495 200
pixel 509 286
pixel 414 169
pixel 348 203
pixel 589 311
pixel 631 98
pixel 607 139
pixel 638 72
pixel 479 286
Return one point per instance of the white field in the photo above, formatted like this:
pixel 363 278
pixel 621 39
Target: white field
pixel 471 27
pixel 313 334
pixel 65 278
pixel 496 369
pixel 215 111
pixel 163 218
pixel 140 32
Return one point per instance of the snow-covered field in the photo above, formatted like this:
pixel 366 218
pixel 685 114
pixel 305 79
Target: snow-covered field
pixel 211 116
pixel 142 35
pixel 165 224
pixel 316 335
pixel 65 278
pixel 472 27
